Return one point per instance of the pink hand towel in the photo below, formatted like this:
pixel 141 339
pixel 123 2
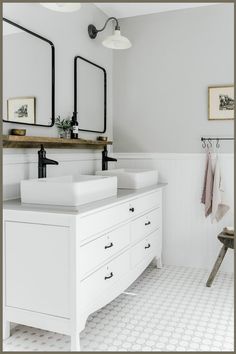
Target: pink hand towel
pixel 208 186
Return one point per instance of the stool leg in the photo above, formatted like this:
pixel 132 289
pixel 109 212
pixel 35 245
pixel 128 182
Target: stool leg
pixel 216 265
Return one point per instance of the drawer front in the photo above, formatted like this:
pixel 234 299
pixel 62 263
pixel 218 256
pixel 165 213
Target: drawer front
pixel 145 225
pixel 100 221
pixel 146 203
pixel 95 252
pixel 145 248
pixel 104 278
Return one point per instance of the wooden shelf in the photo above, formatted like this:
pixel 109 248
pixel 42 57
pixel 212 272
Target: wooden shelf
pixel 14 141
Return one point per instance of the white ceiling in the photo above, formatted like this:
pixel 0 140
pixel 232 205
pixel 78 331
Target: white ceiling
pixel 121 10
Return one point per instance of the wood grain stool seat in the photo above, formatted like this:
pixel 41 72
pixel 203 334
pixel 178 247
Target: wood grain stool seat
pixel 228 242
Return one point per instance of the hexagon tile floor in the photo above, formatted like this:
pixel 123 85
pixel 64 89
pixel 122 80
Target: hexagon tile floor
pixel 172 310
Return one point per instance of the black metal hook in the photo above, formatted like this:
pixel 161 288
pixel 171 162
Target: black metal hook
pixel 209 143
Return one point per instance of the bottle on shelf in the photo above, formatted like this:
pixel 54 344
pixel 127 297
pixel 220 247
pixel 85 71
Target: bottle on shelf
pixel 74 127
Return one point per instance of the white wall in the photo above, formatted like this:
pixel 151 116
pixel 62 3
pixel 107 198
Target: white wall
pixel 69 33
pixel 189 239
pixel 160 84
pixel 161 111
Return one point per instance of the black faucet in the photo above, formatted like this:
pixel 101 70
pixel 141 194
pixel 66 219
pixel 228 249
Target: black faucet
pixel 106 158
pixel 43 161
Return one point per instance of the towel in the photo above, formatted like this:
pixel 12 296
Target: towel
pixel 219 205
pixel 208 186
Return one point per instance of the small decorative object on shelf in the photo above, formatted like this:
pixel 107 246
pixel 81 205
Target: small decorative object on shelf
pixel 64 127
pixel 74 133
pixel 102 138
pixel 19 132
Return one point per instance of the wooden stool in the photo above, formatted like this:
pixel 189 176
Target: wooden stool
pixel 228 242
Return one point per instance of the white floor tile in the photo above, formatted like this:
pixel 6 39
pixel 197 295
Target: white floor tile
pixel 173 310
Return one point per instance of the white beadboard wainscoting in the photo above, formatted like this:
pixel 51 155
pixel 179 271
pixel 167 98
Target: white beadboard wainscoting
pixel 189 238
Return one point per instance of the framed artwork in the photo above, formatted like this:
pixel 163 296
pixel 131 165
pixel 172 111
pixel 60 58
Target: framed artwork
pixel 221 102
pixel 21 110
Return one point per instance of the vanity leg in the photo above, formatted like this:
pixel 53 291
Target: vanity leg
pixel 158 262
pixel 75 342
pixel 6 330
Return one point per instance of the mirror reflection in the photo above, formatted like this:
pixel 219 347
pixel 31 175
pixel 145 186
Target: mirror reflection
pixel 90 95
pixel 28 77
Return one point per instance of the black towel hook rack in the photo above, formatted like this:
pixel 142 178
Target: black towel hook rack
pixel 227 138
pixel 210 139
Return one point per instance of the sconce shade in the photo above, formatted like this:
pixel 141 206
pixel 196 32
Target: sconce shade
pixel 117 41
pixel 62 6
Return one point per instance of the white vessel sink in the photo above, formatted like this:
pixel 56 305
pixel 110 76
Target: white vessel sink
pixel 132 178
pixel 67 190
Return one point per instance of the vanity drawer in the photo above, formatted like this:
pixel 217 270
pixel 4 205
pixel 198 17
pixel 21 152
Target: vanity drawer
pixel 104 278
pixel 145 225
pixel 102 220
pixel 148 202
pixel 145 248
pixel 95 252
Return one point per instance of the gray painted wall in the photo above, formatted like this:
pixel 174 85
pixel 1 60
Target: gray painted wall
pixel 160 84
pixel 68 32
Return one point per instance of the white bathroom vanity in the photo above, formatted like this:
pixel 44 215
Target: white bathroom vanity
pixel 63 263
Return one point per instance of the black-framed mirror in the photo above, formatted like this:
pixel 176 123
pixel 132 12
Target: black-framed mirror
pixel 90 95
pixel 28 76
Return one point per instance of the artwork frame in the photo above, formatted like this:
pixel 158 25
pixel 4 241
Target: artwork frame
pixel 221 102
pixel 21 110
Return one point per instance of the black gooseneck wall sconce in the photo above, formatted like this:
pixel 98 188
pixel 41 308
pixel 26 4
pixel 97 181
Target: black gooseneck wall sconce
pixel 115 41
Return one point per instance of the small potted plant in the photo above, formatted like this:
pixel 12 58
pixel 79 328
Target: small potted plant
pixel 63 126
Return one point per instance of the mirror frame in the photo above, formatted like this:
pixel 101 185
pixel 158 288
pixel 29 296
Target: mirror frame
pixel 52 75
pixel 105 93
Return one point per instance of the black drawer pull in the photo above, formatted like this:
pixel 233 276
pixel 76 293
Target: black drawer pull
pixel 131 209
pixel 109 246
pixel 148 246
pixel 148 223
pixel 109 277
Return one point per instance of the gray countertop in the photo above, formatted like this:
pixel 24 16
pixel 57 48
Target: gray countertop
pixel 122 194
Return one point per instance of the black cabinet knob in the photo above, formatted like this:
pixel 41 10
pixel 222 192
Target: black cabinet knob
pixel 148 246
pixel 148 223
pixel 131 209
